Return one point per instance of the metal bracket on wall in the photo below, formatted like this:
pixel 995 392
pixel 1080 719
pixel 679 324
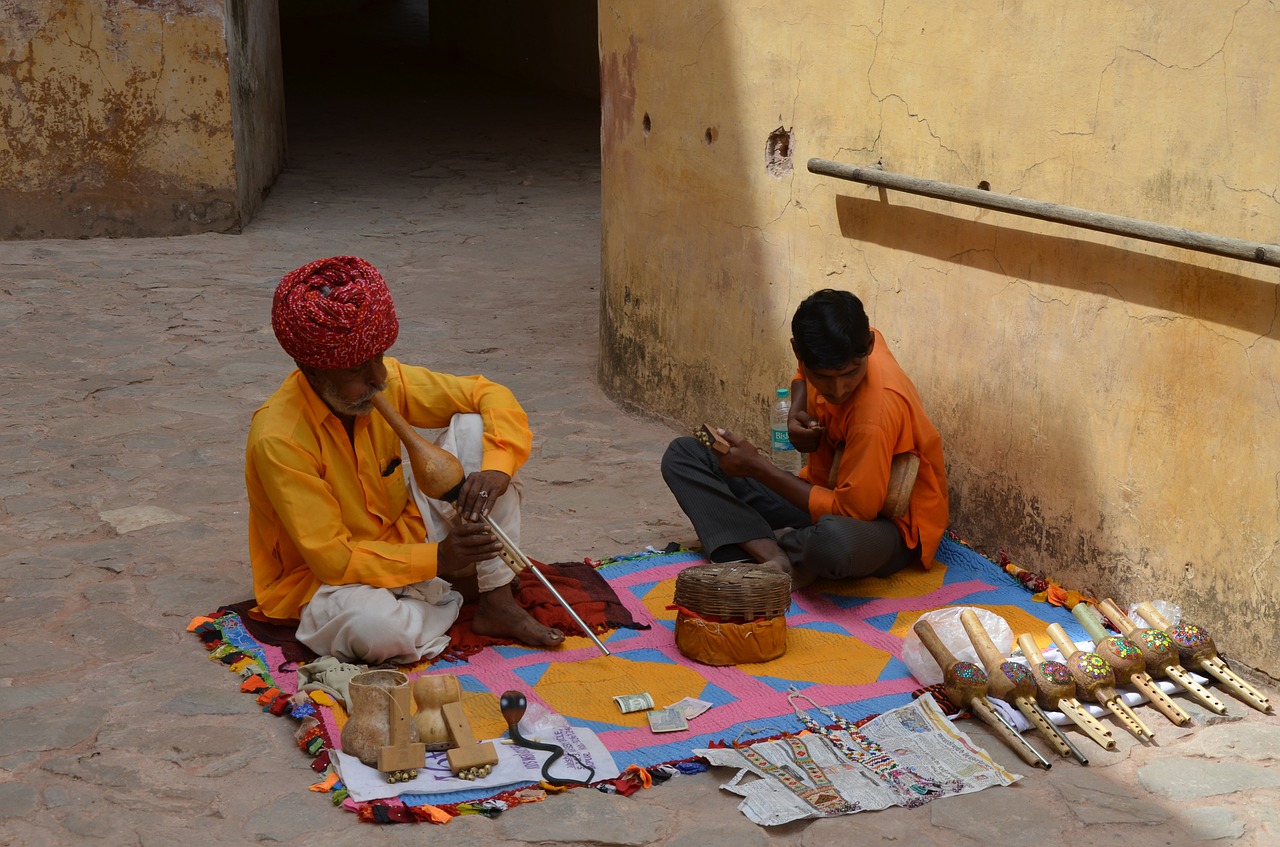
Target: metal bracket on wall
pixel 1249 251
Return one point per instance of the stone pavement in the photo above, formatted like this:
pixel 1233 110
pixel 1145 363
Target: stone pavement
pixel 130 370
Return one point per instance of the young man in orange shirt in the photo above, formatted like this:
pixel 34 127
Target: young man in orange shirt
pixel 853 410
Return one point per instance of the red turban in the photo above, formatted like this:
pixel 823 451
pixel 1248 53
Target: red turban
pixel 334 313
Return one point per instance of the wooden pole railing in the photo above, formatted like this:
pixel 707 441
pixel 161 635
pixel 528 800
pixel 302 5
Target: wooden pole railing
pixel 1234 248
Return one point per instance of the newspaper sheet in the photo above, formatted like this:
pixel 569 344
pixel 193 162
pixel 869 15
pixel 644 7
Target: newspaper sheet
pixel 918 736
pixel 515 765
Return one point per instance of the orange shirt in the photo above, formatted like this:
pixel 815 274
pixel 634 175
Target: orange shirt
pixel 323 511
pixel 883 418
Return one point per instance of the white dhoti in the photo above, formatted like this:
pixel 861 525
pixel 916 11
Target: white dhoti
pixel 368 625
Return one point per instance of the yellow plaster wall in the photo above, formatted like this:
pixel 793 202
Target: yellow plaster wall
pixel 116 118
pixel 1108 406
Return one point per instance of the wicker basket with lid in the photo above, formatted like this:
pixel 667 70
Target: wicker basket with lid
pixel 731 614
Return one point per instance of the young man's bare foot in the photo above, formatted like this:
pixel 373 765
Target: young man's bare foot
pixel 766 553
pixel 498 615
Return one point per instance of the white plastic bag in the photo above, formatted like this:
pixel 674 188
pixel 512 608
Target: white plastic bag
pixel 540 722
pixel 946 623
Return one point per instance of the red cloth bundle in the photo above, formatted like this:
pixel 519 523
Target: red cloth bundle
pixel 579 584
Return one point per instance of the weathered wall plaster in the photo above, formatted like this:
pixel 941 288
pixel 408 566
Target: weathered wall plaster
pixel 117 118
pixel 1107 404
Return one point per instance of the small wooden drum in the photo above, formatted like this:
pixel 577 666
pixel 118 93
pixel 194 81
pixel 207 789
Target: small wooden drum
pixel 731 614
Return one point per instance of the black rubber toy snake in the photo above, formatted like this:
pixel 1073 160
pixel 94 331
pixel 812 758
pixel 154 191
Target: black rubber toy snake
pixel 513 705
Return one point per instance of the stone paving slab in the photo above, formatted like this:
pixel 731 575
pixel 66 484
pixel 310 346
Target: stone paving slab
pixel 130 370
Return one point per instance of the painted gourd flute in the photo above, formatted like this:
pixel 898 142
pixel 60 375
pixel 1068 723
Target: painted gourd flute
pixel 1096 681
pixel 1197 650
pixel 1160 654
pixel 1014 684
pixel 1056 689
pixel 438 474
pixel 1127 663
pixel 966 686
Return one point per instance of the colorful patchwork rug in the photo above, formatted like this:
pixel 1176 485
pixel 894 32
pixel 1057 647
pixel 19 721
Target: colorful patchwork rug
pixel 844 643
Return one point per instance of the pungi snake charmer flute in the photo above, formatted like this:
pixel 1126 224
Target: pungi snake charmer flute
pixel 1013 683
pixel 1198 651
pixel 1056 689
pixel 1095 680
pixel 439 475
pixel 1160 654
pixel 966 685
pixel 1127 663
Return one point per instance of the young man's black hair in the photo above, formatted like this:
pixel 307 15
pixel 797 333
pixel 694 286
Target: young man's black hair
pixel 830 329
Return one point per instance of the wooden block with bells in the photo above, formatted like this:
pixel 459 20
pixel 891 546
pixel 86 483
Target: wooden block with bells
pixel 467 758
pixel 708 436
pixel 400 758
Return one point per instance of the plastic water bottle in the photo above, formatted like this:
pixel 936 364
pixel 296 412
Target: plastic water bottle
pixel 783 453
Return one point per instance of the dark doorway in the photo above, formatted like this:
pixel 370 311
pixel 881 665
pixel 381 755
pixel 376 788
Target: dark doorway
pixel 406 63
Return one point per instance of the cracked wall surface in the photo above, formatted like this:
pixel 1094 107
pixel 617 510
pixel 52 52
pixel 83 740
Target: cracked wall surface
pixel 118 118
pixel 1107 404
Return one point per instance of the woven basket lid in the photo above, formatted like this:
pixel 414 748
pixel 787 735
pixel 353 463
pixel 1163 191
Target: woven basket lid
pixel 734 591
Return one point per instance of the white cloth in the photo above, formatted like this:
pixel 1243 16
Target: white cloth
pixel 361 623
pixel 465 439
pixel 515 765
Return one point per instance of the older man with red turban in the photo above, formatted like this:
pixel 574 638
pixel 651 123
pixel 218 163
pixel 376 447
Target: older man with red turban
pixel 340 539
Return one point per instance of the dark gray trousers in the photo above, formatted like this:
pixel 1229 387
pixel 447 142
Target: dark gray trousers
pixel 726 511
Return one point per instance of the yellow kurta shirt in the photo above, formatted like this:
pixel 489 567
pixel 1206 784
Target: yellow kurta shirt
pixel 325 511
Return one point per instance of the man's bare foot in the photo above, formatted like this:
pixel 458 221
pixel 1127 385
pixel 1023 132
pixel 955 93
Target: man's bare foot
pixel 799 578
pixel 498 615
pixel 766 553
pixel 782 565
